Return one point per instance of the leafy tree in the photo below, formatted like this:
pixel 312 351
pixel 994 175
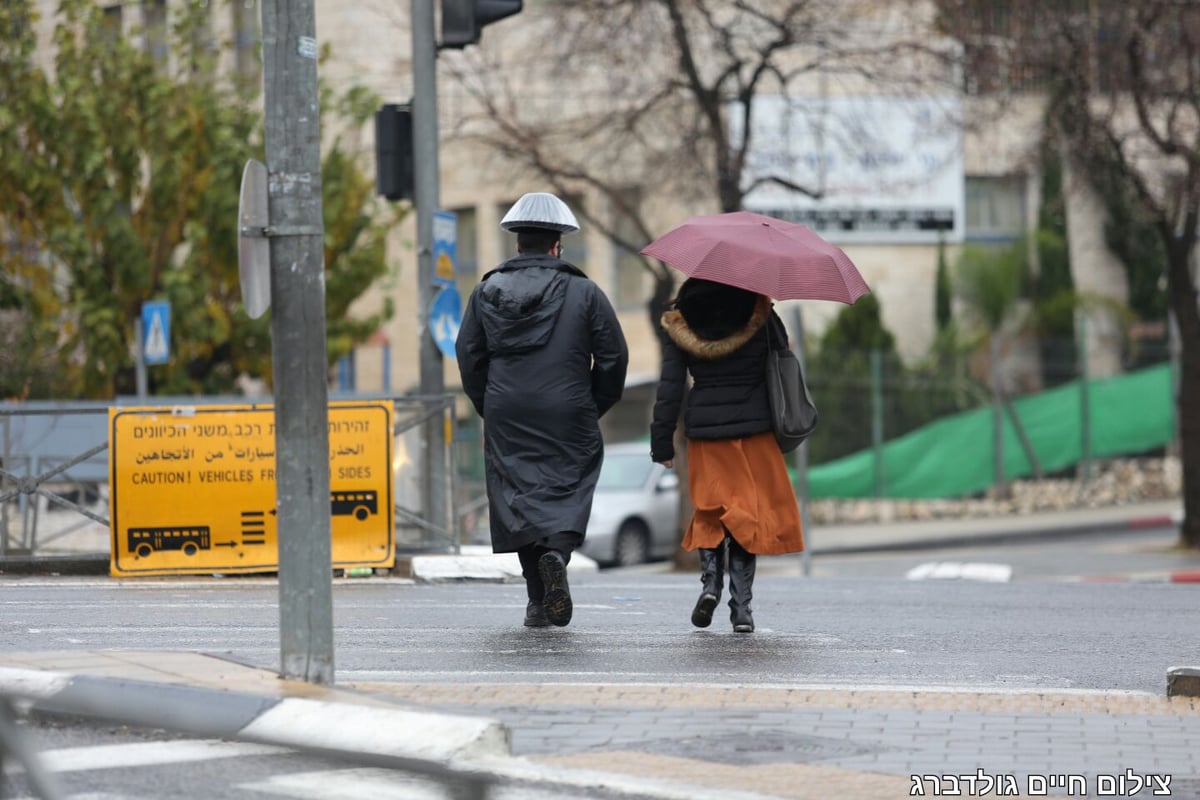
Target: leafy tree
pixel 859 326
pixel 839 375
pixel 1053 288
pixel 1120 87
pixel 989 281
pixel 1132 235
pixel 118 184
pixel 943 293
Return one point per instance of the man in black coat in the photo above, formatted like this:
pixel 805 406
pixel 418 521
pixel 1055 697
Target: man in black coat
pixel 542 358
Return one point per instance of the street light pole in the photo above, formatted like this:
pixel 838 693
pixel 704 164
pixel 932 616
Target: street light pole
pixel 426 190
pixel 298 346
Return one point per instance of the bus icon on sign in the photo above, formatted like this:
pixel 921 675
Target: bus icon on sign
pixel 188 540
pixel 360 505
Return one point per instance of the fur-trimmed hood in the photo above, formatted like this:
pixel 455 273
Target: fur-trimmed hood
pixel 690 341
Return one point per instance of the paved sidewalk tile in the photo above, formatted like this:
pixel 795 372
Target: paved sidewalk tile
pixel 801 743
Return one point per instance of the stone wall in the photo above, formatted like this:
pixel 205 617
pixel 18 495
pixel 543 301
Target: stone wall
pixel 1115 483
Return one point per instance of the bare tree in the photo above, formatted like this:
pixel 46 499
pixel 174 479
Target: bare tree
pixel 628 100
pixel 632 101
pixel 1122 82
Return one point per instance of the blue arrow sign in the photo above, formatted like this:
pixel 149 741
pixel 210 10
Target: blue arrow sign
pixel 156 332
pixel 445 317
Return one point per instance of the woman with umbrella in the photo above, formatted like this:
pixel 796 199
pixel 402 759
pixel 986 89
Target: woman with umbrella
pixel 719 331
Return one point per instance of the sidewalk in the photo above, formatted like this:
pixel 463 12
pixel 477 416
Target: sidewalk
pixel 715 742
pixel 908 535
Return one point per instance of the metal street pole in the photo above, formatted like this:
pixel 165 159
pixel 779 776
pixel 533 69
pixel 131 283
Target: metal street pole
pixel 426 188
pixel 139 339
pixel 801 456
pixel 293 150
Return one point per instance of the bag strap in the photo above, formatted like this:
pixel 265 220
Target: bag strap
pixel 773 342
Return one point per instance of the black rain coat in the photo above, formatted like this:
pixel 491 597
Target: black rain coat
pixel 542 358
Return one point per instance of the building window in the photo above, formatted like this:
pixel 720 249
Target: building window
pixel 154 18
pixel 629 275
pixel 18 22
pixel 995 208
pixel 111 24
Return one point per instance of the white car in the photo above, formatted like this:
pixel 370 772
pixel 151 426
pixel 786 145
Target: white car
pixel 635 513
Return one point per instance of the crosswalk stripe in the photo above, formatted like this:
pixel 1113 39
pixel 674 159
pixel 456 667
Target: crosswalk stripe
pixel 147 754
pixel 382 784
pixel 348 784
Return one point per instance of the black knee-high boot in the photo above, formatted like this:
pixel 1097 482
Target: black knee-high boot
pixel 741 586
pixel 712 579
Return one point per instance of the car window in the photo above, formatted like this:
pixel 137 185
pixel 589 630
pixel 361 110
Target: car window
pixel 624 472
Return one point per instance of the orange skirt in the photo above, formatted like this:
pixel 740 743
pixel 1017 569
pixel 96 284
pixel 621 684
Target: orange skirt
pixel 742 485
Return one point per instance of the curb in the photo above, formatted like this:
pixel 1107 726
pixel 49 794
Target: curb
pixel 348 729
pixel 89 564
pixel 1186 576
pixel 468 752
pixel 991 537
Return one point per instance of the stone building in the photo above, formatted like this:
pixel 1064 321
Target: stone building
pixel 989 185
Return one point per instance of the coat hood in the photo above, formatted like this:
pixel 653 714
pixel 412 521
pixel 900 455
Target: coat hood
pixel 689 338
pixel 520 300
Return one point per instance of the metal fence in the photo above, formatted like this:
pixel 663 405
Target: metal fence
pixel 54 475
pixel 866 397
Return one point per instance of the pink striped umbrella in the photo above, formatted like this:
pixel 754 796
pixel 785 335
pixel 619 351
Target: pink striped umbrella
pixel 783 260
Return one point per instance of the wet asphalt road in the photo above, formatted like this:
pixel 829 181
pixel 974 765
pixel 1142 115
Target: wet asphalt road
pixel 633 627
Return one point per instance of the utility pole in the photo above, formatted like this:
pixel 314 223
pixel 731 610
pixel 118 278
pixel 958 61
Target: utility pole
pixel 801 457
pixel 426 187
pixel 298 348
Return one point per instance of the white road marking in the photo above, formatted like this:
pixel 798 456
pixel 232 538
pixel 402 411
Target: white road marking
pixel 564 784
pixel 148 754
pixel 957 570
pixel 376 729
pixel 348 784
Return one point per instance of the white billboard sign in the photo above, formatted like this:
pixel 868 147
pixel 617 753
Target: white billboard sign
pixel 887 169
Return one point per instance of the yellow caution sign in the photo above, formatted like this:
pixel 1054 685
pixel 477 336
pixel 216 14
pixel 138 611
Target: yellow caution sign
pixel 192 488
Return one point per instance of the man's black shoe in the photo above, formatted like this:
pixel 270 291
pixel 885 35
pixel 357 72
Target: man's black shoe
pixel 557 600
pixel 535 616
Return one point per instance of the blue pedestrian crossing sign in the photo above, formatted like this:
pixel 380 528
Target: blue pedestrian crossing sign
pixel 445 317
pixel 156 332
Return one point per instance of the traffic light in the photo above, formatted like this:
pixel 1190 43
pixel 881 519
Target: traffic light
pixel 463 20
pixel 394 152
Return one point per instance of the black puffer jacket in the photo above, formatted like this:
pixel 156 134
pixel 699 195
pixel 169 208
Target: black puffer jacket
pixel 727 362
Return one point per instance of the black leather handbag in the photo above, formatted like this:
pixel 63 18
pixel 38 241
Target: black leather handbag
pixel 793 413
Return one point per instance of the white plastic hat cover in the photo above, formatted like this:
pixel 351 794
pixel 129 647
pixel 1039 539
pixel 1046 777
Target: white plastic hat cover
pixel 540 210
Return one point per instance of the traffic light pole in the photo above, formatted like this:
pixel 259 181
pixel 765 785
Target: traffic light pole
pixel 426 188
pixel 298 347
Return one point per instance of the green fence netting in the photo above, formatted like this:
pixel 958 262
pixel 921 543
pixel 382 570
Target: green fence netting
pixel 953 457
